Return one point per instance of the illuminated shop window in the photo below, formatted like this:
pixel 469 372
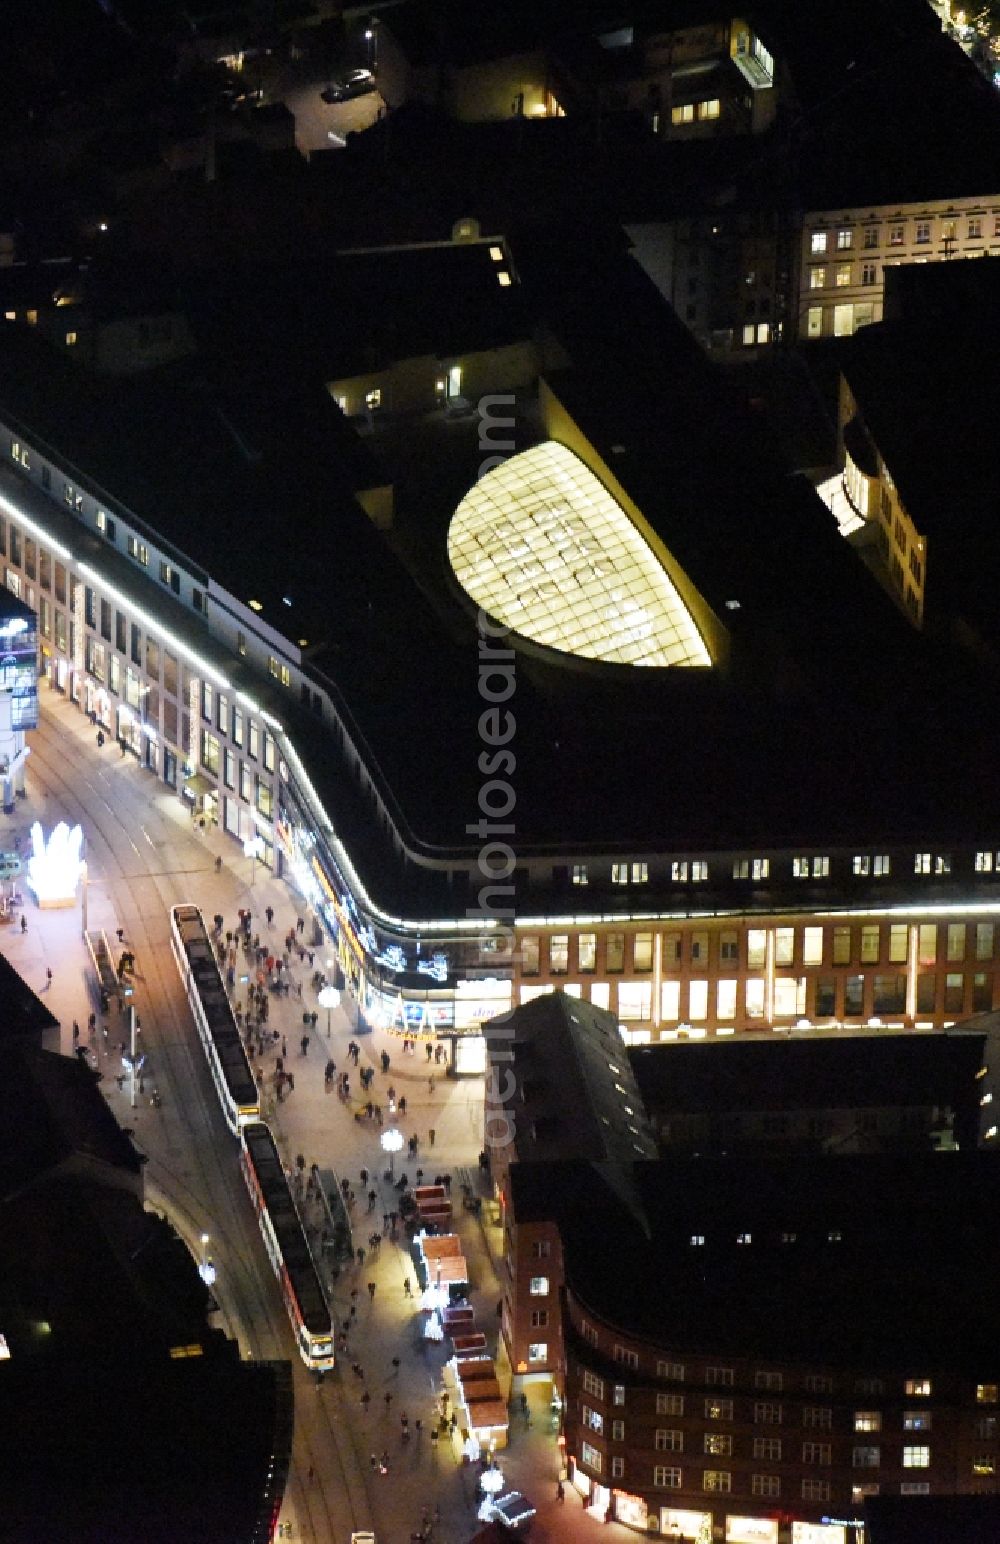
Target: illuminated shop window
pixel 540 544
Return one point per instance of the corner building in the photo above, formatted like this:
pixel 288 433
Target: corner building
pixel 738 1377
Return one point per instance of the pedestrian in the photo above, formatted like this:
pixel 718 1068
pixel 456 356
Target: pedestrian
pixel 430 1050
pixel 366 1400
pixel 311 1474
pixel 418 1426
pixel 304 1042
pixel 371 1291
pixel 395 1365
pixel 313 1019
pixel 48 975
pixel 431 1085
pixel 407 1289
pixel 388 1400
pixel 364 1176
pixel 361 1255
pixel 269 914
pixel 402 1105
pixel 560 1491
pixel 24 923
pixel 430 1136
pixel 76 1031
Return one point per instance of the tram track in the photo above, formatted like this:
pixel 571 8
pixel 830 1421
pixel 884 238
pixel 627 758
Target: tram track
pixel 201 1186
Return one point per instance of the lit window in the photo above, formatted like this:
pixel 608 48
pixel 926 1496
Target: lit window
pixel 709 109
pixel 845 240
pixel 923 232
pixel 760 868
pixel 917 1388
pixel 619 873
pixel 922 863
pixel 684 114
pixel 942 863
pixel 916 1420
pixel 679 873
pixel 817 242
pixel 496 253
pixel 503 278
pixel 718 1409
pixel 916 1457
pixel 640 873
pixel 843 275
pixel 697 1239
pixel 800 868
pixel 70 339
pixel 373 398
pixel 580 874
pixel 984 862
pixel 589 1455
pixel 984 1463
pixel 817 278
pixel 718 1480
pixel 538 1351
pixel 867 1420
pixel 987 1393
pixel 699 871
pixel 814 322
pixel 896 235
pixel 883 865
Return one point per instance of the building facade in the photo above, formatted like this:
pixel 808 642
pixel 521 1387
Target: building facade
pixel 695 1445
pixel 844 254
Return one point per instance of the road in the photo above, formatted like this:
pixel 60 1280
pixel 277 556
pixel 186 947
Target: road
pixel 143 856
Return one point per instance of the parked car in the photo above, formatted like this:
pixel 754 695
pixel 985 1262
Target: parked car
pixel 357 83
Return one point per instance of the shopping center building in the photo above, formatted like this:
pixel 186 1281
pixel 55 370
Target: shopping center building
pixel 678 773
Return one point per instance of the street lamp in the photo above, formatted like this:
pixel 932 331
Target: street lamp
pixel 253 848
pixel 392 1142
pixel 206 1270
pixel 329 998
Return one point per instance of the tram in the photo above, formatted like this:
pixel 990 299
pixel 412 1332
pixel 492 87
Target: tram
pixel 287 1247
pixel 206 993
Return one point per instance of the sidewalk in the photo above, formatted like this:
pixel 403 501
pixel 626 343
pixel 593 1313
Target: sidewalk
pixel 312 1121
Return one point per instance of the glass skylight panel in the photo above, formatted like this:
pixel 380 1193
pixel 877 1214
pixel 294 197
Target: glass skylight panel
pixel 540 544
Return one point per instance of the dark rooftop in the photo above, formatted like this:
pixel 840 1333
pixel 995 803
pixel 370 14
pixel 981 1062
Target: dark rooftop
pixel 51 1111
pixel 97 1455
pixel 23 1017
pixel 934 364
pixel 829 1072
pixel 576 1095
pixel 925 1220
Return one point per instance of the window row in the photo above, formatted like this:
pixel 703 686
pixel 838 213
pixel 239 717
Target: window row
pixel 73 497
pixel 759 948
pixel 718 1376
pixel 843 238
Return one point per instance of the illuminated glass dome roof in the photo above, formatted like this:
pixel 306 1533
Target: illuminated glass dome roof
pixel 541 546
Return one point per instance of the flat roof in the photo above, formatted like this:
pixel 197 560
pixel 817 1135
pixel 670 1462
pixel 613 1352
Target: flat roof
pixel 859 1225
pixel 842 1071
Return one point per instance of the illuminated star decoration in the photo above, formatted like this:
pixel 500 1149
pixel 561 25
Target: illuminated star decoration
pixel 55 866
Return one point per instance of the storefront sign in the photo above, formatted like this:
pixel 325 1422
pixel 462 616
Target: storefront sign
pixel 820 1533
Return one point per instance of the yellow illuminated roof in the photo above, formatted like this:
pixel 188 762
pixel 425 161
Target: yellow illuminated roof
pixel 541 546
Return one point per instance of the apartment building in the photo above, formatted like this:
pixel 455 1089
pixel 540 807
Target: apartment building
pixel 844 255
